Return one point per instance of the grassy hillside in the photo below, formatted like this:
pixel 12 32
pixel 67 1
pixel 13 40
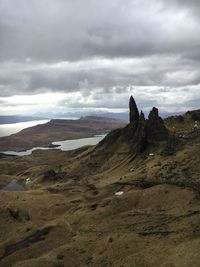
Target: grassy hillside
pixel 70 215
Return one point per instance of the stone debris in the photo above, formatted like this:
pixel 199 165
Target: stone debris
pixel 119 193
pixel 28 180
pixel 195 125
pixel 151 154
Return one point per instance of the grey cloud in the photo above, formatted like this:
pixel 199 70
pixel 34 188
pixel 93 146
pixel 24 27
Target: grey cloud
pixel 89 76
pixel 100 101
pixel 193 5
pixel 193 103
pixel 101 49
pixel 64 30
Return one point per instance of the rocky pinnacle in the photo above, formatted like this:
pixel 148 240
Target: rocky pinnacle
pixel 133 111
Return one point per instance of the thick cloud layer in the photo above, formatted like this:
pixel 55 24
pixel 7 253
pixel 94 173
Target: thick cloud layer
pixel 89 53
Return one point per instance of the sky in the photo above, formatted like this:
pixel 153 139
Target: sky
pixel 91 55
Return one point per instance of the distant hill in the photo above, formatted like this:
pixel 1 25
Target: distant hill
pixel 74 115
pixel 131 200
pixel 113 115
pixel 18 118
pixel 57 130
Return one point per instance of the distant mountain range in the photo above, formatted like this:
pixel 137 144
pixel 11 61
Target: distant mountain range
pixel 53 115
pixel 56 115
pixel 18 118
pixel 112 115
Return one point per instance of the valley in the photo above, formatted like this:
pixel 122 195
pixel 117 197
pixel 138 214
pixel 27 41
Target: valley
pixel 58 130
pixel 70 215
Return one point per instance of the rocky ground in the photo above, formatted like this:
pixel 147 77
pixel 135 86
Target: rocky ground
pixel 71 216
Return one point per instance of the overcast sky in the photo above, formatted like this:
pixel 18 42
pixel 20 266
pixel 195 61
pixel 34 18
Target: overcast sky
pixel 71 55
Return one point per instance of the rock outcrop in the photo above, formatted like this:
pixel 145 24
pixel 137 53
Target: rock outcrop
pixel 156 129
pixel 140 132
pixel 133 111
pixel 145 131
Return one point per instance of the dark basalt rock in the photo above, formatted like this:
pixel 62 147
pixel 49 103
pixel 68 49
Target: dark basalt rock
pixel 155 127
pixel 140 132
pixel 153 113
pixel 143 131
pixel 133 111
pixel 139 138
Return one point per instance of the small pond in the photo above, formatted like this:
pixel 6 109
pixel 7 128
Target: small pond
pixel 14 186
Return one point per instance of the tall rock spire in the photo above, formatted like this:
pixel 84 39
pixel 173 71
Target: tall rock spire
pixel 133 111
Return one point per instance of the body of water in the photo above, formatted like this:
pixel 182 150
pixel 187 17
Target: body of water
pixel 8 129
pixel 76 143
pixel 14 186
pixel 12 128
pixel 62 145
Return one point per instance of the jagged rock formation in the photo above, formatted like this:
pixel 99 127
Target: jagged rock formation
pixel 155 126
pixel 140 132
pixel 133 111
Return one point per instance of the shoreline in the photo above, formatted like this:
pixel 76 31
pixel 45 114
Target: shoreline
pixel 61 147
pixel 44 135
